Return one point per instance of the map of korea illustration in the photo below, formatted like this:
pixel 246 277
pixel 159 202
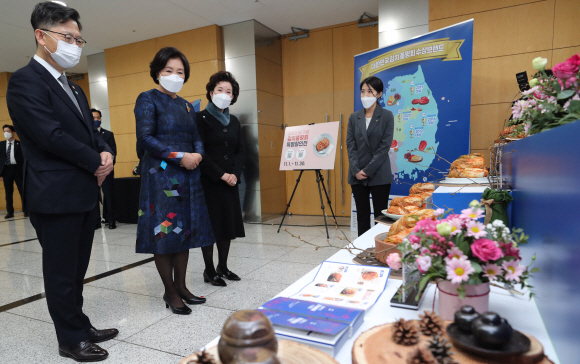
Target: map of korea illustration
pixel 414 107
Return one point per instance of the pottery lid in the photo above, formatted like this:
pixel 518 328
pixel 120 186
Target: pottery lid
pixel 247 328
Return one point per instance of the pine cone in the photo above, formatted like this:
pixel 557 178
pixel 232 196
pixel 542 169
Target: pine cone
pixel 405 332
pixel 431 324
pixel 441 350
pixel 421 356
pixel 205 358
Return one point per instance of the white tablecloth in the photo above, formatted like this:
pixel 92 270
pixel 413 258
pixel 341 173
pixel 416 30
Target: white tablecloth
pixel 521 312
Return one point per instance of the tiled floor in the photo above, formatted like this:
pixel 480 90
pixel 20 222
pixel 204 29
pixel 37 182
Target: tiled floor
pixel 130 300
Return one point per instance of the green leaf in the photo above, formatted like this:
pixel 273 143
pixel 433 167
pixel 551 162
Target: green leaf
pixel 574 106
pixel 565 94
pixel 535 270
pixel 556 86
pixel 477 267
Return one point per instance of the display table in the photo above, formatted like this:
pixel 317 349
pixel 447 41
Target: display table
pixel 126 199
pixel 521 312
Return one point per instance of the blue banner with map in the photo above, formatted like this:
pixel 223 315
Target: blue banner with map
pixel 427 87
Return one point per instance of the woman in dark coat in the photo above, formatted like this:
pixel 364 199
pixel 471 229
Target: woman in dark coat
pixel 173 216
pixel 221 170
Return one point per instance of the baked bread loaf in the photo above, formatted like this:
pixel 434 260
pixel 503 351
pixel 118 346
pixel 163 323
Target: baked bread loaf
pixel 467 173
pixel 408 221
pixel 418 188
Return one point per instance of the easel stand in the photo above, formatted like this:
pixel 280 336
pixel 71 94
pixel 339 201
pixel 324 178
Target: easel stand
pixel 320 181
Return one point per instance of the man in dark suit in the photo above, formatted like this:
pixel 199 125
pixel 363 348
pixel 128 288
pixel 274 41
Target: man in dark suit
pixel 66 160
pixel 109 138
pixel 11 169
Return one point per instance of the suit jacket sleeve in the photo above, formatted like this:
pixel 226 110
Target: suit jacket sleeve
pixel 240 155
pixel 208 167
pixel 147 128
pixel 351 146
pixel 382 153
pixel 34 116
pixel 113 145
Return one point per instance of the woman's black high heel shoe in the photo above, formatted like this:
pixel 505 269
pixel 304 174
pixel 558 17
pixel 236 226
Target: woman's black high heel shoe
pixel 215 281
pixel 228 275
pixel 176 310
pixel 194 300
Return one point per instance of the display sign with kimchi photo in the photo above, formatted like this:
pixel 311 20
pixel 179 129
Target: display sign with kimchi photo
pixel 310 147
pixel 349 285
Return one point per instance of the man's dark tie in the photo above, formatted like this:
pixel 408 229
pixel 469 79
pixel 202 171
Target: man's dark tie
pixel 68 91
pixel 8 154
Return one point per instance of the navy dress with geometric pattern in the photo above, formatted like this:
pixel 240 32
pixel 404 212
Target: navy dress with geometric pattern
pixel 173 214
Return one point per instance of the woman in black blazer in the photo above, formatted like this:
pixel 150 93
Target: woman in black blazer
pixel 221 170
pixel 368 141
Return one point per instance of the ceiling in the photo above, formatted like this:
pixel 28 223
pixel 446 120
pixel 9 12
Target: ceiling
pixel 111 23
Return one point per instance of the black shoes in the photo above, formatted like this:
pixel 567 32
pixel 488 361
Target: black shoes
pixel 26 214
pixel 194 300
pixel 98 336
pixel 9 216
pixel 176 310
pixel 228 275
pixel 112 226
pixel 215 281
pixel 85 351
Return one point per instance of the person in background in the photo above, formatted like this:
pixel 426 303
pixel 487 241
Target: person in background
pixel 368 140
pixel 107 186
pixel 173 216
pixel 11 169
pixel 221 170
pixel 66 162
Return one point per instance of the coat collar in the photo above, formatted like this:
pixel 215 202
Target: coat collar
pixel 361 121
pixel 375 119
pixel 56 87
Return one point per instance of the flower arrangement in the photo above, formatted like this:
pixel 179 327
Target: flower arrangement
pixel 459 248
pixel 553 100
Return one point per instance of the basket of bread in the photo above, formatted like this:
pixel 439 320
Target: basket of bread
pixel 386 243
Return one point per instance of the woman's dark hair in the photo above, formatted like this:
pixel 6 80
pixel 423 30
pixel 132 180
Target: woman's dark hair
pixel 373 82
pixel 223 76
pixel 95 110
pixel 48 14
pixel 161 59
pixel 9 127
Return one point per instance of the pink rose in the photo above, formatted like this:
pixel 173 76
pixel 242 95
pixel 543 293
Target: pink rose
pixel 569 83
pixel 565 70
pixel 485 250
pixel 575 60
pixel 394 261
pixel 509 250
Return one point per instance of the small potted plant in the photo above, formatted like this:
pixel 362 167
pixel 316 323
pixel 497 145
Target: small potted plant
pixel 463 256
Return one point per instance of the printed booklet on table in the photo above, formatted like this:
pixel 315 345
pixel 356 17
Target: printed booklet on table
pixel 348 285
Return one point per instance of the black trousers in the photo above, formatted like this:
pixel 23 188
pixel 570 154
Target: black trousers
pixel 361 195
pixel 66 240
pixel 11 174
pixel 108 210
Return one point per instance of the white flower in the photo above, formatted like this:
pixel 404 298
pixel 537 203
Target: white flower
pixel 539 63
pixel 498 223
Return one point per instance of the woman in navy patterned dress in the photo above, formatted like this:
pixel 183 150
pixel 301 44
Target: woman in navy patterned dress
pixel 173 216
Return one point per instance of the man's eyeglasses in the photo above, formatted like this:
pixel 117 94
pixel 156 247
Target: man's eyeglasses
pixel 80 42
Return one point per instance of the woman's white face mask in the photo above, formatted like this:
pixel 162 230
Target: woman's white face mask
pixel 172 83
pixel 222 101
pixel 368 101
